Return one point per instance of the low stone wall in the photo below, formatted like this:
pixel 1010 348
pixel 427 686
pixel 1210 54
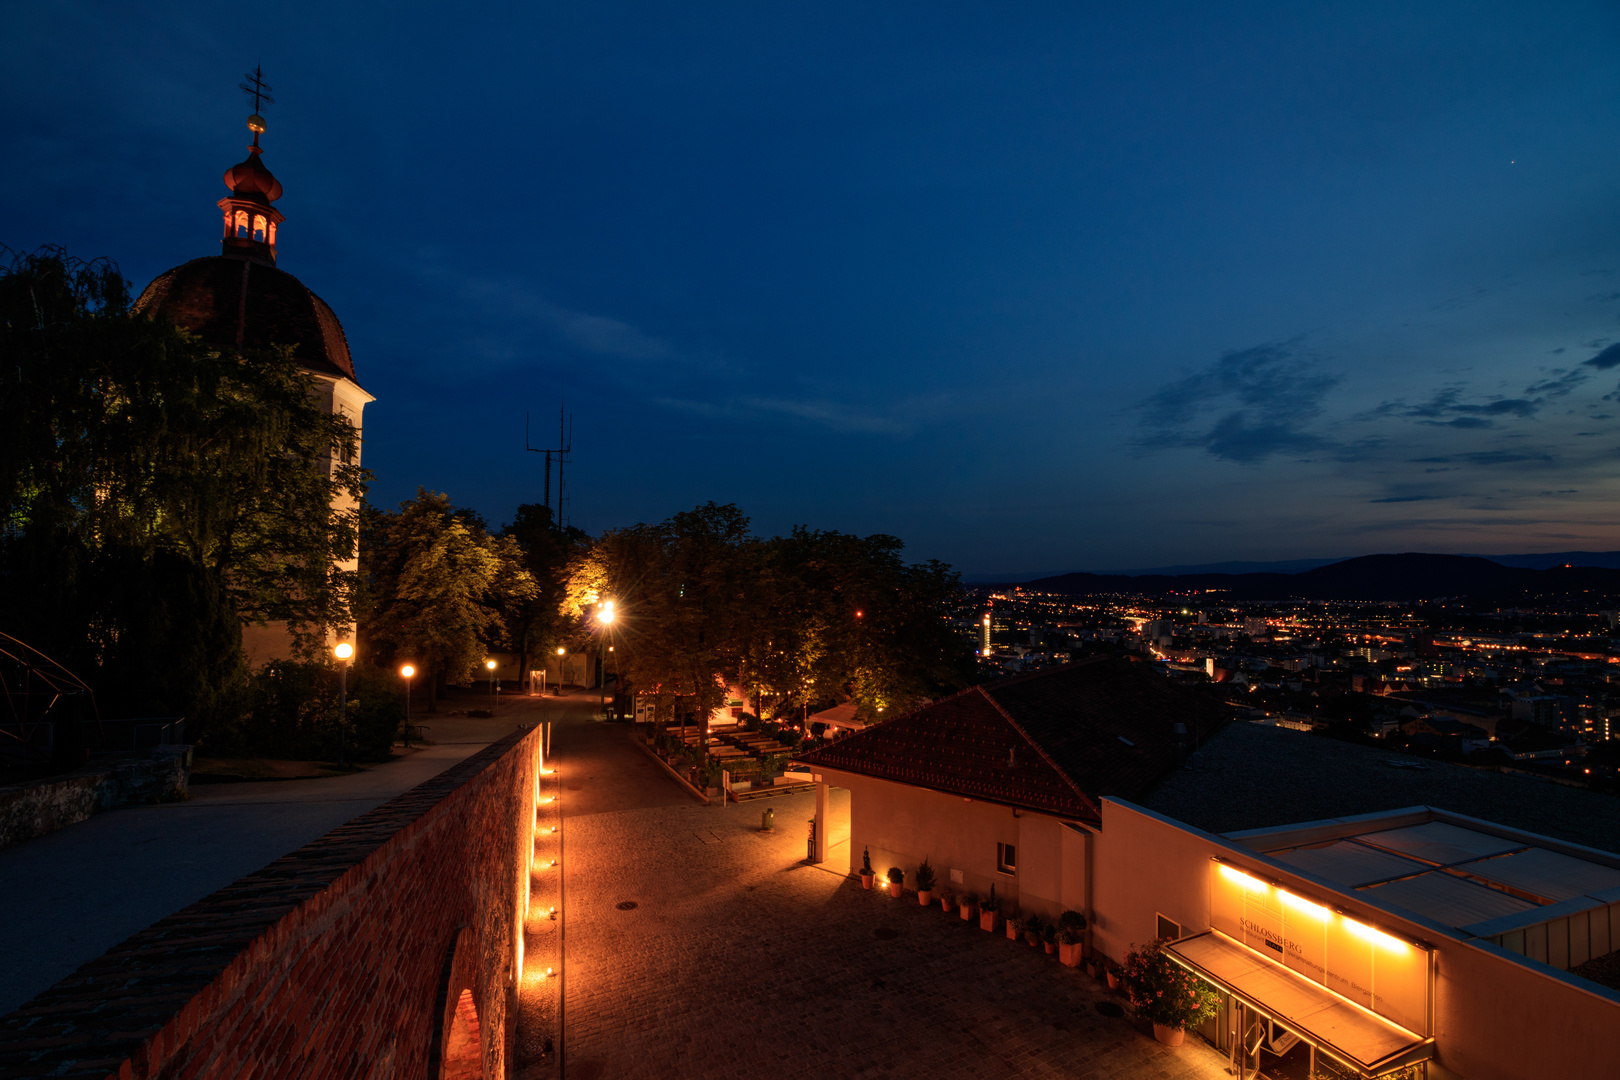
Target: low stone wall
pixel 347 958
pixel 43 806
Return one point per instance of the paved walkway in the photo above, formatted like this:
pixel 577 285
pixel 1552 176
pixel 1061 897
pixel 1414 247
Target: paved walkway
pixel 70 896
pixel 698 946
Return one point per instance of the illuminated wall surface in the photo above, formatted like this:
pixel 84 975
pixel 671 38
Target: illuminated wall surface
pixel 1371 968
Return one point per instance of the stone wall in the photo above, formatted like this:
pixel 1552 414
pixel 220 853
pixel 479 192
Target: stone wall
pixel 43 806
pixel 334 961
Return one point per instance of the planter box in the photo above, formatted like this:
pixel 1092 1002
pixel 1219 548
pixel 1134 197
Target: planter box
pixel 1069 955
pixel 987 921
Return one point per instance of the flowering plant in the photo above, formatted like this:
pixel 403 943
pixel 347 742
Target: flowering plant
pixel 1163 992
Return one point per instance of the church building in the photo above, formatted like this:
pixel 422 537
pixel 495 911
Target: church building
pixel 240 299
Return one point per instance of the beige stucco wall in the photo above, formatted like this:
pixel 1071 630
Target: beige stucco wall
pixel 1496 1018
pixel 902 824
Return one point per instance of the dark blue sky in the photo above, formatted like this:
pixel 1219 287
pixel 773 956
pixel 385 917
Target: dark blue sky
pixel 1066 287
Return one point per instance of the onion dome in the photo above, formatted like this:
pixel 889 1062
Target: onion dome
pixel 250 221
pixel 236 302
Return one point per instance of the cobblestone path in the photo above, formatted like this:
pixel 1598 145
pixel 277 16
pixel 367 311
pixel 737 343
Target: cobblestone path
pixel 698 946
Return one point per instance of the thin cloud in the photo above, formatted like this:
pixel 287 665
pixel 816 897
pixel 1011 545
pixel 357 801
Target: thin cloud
pixel 1245 406
pixel 1606 359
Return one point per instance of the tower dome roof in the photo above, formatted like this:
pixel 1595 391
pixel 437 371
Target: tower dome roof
pixel 253 178
pixel 240 303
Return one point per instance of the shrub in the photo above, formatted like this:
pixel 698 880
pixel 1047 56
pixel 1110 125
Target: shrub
pixel 866 861
pixel 896 875
pixel 924 878
pixel 1071 928
pixel 990 902
pixel 1163 992
pixel 293 712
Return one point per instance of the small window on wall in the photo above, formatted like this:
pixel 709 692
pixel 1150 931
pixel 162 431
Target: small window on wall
pixel 1168 928
pixel 1007 858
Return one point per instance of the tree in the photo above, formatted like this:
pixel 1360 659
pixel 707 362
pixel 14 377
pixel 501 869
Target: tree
pixel 438 584
pixel 535 623
pixel 807 618
pixel 156 493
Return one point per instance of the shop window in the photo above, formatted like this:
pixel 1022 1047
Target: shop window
pixel 241 224
pixel 1168 928
pixel 259 226
pixel 1007 858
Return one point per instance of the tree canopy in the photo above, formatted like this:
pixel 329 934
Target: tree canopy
pixel 800 620
pixel 156 493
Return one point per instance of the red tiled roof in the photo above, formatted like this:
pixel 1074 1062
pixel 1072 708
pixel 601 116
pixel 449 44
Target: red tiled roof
pixel 1103 726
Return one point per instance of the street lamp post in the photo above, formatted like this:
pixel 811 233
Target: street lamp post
pixel 561 652
pixel 494 685
pixel 604 618
pixel 343 651
pixel 406 672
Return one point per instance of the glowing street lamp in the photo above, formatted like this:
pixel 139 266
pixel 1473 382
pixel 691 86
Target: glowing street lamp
pixel 561 652
pixel 405 673
pixel 494 685
pixel 343 650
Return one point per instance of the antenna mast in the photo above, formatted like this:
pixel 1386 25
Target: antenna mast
pixel 565 446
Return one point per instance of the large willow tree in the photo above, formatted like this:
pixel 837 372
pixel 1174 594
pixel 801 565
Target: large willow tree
pixel 157 493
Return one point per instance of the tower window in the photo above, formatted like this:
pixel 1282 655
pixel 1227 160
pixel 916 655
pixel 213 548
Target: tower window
pixel 259 225
pixel 272 234
pixel 241 224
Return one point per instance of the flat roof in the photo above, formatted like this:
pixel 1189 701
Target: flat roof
pixel 1476 877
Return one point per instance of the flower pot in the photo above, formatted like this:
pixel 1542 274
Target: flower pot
pixel 945 903
pixel 1033 939
pixel 987 921
pixel 1113 979
pixel 1069 955
pixel 895 887
pixel 1168 1035
pixel 1051 947
pixel 925 897
pixel 866 881
pixel 968 912
pixel 1012 930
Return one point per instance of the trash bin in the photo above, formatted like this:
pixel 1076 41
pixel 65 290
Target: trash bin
pixel 767 821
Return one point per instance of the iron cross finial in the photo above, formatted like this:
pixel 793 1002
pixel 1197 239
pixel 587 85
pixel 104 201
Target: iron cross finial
pixel 257 88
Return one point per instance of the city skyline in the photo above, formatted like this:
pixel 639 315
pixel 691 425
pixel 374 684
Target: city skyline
pixel 1065 290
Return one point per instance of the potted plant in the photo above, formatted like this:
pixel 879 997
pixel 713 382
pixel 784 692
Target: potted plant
pixel 946 900
pixel 866 868
pixel 1014 925
pixel 1071 935
pixel 969 907
pixel 897 880
pixel 1111 973
pixel 1033 930
pixel 1049 938
pixel 925 883
pixel 1166 994
pixel 988 910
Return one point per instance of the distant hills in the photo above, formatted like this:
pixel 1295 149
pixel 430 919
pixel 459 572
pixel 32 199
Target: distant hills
pixel 1401 578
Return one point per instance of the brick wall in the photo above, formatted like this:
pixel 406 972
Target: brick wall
pixel 326 963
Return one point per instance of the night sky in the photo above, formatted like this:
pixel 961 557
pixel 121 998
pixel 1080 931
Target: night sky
pixel 1035 288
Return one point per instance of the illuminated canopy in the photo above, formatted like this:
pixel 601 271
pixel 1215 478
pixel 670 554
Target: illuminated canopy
pixel 1355 1036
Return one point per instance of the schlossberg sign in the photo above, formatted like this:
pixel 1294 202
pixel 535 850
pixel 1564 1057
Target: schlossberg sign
pixel 1366 965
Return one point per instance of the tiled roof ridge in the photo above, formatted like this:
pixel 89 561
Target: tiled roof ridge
pixel 1039 749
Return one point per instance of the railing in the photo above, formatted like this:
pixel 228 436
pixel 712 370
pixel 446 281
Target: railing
pixel 38 736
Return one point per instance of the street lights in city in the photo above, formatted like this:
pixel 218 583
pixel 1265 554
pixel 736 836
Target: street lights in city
pixel 561 652
pixel 343 651
pixel 405 673
pixel 604 619
pixel 494 685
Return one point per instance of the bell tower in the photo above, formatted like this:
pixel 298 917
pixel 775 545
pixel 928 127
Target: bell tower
pixel 250 220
